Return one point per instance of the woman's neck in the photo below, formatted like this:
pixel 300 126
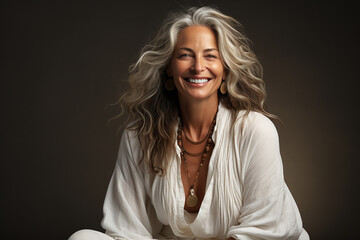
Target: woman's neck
pixel 197 116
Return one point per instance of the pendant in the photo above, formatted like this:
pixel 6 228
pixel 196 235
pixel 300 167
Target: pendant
pixel 192 199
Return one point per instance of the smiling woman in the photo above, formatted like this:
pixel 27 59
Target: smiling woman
pixel 199 157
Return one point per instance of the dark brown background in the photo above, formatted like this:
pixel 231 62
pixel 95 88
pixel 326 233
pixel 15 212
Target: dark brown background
pixel 63 63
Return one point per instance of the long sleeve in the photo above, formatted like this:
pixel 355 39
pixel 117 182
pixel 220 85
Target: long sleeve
pixel 128 212
pixel 268 211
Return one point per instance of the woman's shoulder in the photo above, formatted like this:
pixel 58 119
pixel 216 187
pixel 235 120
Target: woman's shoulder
pixel 129 139
pixel 254 123
pixel 129 148
pixel 130 132
pixel 246 121
pixel 250 119
pixel 256 119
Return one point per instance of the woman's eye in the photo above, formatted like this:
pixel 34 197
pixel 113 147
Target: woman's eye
pixel 211 56
pixel 184 55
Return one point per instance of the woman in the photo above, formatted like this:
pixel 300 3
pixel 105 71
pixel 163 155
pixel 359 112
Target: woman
pixel 199 158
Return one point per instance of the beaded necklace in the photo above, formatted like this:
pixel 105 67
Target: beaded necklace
pixel 192 199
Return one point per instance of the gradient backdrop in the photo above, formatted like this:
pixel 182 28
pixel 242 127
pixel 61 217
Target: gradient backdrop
pixel 63 63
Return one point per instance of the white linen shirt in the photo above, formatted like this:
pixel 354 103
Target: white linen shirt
pixel 246 196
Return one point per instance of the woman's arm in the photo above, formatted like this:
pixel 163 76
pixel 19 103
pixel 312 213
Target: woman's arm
pixel 268 211
pixel 128 212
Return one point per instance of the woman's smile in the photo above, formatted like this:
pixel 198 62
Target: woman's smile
pixel 197 81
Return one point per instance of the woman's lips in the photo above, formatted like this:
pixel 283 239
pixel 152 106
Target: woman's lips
pixel 197 80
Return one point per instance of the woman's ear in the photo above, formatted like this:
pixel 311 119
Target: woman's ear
pixel 168 70
pixel 224 74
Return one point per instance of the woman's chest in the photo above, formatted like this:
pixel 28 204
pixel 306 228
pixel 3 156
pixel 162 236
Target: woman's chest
pixel 193 177
pixel 219 191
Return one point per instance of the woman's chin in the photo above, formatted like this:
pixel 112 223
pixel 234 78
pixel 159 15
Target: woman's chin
pixel 198 95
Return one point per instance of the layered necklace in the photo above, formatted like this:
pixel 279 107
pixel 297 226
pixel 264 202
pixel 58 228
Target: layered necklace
pixel 192 199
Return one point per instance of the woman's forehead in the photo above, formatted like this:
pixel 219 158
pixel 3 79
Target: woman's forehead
pixel 197 36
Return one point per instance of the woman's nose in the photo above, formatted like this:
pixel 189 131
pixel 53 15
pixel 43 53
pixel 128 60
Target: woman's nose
pixel 198 65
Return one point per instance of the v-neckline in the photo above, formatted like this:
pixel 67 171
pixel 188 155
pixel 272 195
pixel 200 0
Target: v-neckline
pixel 208 181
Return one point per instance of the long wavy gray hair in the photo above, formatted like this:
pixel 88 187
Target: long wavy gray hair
pixel 153 112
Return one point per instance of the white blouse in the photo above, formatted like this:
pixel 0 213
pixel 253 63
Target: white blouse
pixel 246 196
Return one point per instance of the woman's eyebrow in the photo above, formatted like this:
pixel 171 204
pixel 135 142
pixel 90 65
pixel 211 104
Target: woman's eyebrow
pixel 190 50
pixel 211 49
pixel 186 49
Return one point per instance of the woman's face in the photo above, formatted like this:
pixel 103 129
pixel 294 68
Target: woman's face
pixel 196 65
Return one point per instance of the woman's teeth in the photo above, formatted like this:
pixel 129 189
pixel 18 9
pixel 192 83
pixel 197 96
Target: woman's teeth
pixel 198 80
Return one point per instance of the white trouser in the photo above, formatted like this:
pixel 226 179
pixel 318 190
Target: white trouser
pixel 88 234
